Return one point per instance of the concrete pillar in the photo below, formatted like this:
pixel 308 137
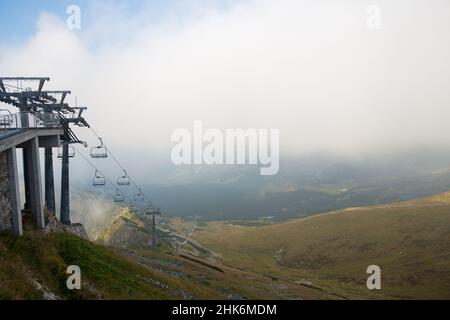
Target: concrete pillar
pixel 26 177
pixel 49 181
pixel 24 123
pixel 14 192
pixel 36 198
pixel 65 191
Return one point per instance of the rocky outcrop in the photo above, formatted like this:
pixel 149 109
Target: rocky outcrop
pixel 78 230
pixel 127 230
pixel 54 225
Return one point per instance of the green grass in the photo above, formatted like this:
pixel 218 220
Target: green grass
pixel 45 258
pixel 109 273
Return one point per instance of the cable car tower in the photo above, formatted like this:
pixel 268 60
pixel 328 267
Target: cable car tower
pixel 69 138
pixel 153 212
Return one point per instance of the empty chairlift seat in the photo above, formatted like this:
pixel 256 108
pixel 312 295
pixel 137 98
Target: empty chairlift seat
pixel 99 152
pixel 133 208
pixel 139 197
pixel 124 180
pixel 98 180
pixel 71 153
pixel 118 197
pixel 150 210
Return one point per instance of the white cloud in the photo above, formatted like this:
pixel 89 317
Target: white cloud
pixel 309 68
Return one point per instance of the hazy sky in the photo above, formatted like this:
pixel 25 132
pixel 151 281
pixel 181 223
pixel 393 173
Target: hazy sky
pixel 309 68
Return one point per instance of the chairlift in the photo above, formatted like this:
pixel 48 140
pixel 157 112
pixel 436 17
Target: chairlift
pixel 71 153
pixel 151 211
pixel 139 197
pixel 6 118
pixel 119 198
pixel 132 208
pixel 98 180
pixel 124 180
pixel 100 151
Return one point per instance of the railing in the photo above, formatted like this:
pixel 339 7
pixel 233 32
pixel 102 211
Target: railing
pixel 27 120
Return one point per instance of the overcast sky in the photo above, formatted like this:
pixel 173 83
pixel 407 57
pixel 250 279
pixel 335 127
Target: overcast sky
pixel 309 68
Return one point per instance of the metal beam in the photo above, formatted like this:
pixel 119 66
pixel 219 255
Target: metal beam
pixel 64 95
pixel 29 94
pixel 41 84
pixel 25 78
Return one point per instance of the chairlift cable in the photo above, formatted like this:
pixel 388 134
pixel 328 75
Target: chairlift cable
pixel 104 176
pixel 139 189
pixel 127 199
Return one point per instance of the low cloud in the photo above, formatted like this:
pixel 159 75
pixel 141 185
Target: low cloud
pixel 309 68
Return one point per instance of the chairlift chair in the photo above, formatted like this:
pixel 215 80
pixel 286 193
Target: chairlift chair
pixel 100 151
pixel 150 210
pixel 139 197
pixel 132 208
pixel 118 197
pixel 98 180
pixel 153 212
pixel 124 180
pixel 71 153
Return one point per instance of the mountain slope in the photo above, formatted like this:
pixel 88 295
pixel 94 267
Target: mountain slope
pixel 410 241
pixel 320 257
pixel 34 267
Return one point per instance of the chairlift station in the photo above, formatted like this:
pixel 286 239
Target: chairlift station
pixel 44 120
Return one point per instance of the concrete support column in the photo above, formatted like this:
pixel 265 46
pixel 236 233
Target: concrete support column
pixel 24 123
pixel 14 192
pixel 37 204
pixel 65 191
pixel 49 182
pixel 26 177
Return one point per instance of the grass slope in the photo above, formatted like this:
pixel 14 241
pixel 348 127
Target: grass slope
pixel 34 266
pixel 410 241
pixel 44 258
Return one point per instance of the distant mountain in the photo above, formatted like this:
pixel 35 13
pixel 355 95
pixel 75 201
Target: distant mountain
pixel 305 186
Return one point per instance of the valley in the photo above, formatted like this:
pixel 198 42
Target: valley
pixel 410 241
pixel 329 252
pixel 318 257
